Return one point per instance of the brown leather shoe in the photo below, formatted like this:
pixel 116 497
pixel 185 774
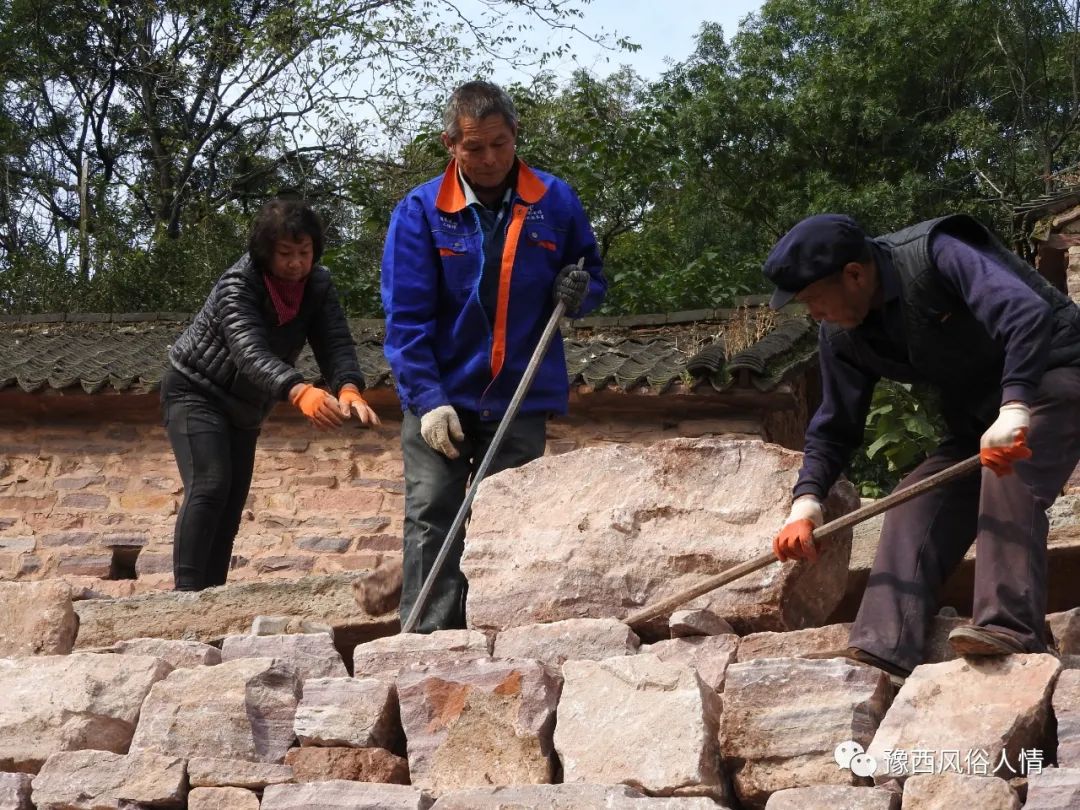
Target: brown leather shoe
pixel 897 673
pixel 981 641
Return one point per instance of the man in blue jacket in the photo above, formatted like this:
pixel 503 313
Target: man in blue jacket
pixel 943 303
pixel 473 265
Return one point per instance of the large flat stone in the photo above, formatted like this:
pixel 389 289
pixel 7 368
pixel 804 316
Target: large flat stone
pixel 643 523
pixel 341 795
pixel 566 797
pixel 36 618
pixel 347 712
pixel 948 791
pixel 227 610
pixel 179 653
pixel 222 798
pixel 101 780
pixel 479 722
pixel 352 764
pixel 975 709
pixel 1054 789
pixel 313 655
pixel 71 702
pixel 833 797
pixel 784 717
pixel 570 639
pixel 242 709
pixel 240 773
pixel 610 718
pixel 385 658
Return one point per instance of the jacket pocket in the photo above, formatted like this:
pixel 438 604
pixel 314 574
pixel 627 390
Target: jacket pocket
pixel 460 258
pixel 543 237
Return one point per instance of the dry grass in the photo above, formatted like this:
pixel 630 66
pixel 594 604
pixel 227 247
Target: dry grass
pixel 746 327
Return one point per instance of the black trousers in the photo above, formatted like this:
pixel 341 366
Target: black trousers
pixel 216 459
pixel 435 488
pixel 924 540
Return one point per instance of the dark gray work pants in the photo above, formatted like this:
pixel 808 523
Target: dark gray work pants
pixel 925 539
pixel 435 488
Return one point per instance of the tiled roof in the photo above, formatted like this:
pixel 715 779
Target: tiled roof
pixel 636 354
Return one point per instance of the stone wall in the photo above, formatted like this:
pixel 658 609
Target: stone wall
pixel 89 488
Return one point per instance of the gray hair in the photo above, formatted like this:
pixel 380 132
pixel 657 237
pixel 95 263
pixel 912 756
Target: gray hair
pixel 477 100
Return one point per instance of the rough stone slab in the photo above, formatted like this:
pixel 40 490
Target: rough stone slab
pixel 347 712
pixel 36 618
pixel 566 797
pixel 480 722
pixel 269 625
pixel 784 717
pixel 353 764
pixel 385 658
pixel 341 795
pixel 241 709
pixel 1066 629
pixel 15 791
pixel 949 791
pixel 222 798
pixel 569 639
pixel 240 773
pixel 684 623
pixel 833 797
pixel 977 708
pixel 820 642
pixel 1066 703
pixel 609 715
pixel 1054 789
pixel 708 656
pixel 99 780
pixel 69 702
pixel 643 524
pixel 313 655
pixel 227 610
pixel 180 654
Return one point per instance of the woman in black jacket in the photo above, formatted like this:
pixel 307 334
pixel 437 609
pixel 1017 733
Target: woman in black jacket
pixel 235 362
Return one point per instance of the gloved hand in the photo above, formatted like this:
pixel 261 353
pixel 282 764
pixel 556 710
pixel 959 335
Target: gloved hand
pixel 352 403
pixel 796 540
pixel 571 287
pixel 439 426
pixel 321 409
pixel 1005 441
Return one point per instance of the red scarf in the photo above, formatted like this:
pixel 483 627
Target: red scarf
pixel 286 295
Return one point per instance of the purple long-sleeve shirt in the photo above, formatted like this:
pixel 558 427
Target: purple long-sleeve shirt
pixel 1012 313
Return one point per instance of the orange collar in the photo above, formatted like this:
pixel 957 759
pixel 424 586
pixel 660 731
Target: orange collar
pixel 451 197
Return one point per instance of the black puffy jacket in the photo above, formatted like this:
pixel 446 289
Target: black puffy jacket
pixel 235 350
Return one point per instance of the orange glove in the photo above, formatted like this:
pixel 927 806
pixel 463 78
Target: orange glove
pixel 1005 441
pixel 351 402
pixel 317 405
pixel 796 540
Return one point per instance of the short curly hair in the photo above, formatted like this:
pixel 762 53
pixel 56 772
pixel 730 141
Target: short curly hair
pixel 282 218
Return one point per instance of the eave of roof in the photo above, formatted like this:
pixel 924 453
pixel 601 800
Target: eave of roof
pixel 640 354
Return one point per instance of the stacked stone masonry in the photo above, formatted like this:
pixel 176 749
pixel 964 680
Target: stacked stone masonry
pixel 289 694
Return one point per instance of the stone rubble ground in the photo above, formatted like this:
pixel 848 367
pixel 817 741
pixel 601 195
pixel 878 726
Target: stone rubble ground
pixel 549 701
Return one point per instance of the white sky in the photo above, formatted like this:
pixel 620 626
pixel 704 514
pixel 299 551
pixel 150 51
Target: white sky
pixel 664 29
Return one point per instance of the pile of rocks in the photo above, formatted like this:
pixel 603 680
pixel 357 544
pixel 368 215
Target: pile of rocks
pixel 741 701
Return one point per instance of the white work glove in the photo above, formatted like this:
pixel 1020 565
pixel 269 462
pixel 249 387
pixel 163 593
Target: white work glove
pixel 439 426
pixel 796 540
pixel 1005 441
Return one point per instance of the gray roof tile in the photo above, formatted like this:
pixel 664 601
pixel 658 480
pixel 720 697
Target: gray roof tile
pixel 127 352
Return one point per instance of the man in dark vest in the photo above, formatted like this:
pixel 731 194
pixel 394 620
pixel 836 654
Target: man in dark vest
pixel 943 303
